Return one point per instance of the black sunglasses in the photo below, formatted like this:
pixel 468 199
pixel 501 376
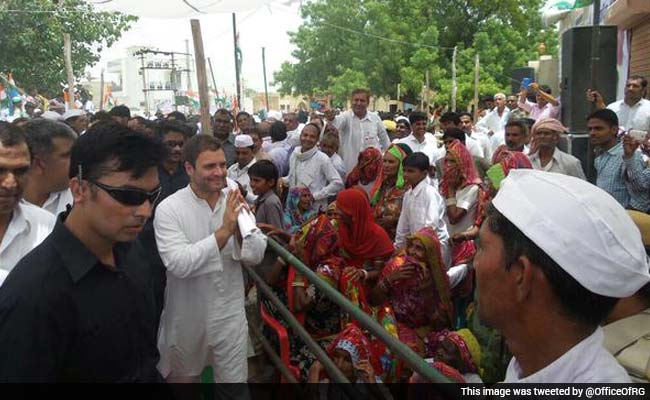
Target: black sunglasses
pixel 130 196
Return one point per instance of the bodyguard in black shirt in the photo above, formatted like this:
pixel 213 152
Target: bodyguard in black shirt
pixel 80 307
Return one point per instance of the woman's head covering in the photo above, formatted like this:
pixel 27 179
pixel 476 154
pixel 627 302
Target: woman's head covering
pixel 368 168
pixel 316 241
pixel 464 166
pixel 357 345
pixel 399 152
pixel 507 160
pixel 468 347
pixel 364 239
pixel 429 239
pixel 293 217
pixel 551 124
pixel 447 371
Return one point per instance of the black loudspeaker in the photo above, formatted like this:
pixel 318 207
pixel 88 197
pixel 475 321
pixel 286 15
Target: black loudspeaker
pixel 576 73
pixel 518 75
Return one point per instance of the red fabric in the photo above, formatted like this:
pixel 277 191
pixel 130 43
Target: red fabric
pixel 364 239
pixel 364 349
pixel 447 371
pixel 464 167
pixel 368 168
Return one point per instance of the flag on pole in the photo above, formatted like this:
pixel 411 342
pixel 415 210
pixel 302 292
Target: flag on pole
pixel 571 4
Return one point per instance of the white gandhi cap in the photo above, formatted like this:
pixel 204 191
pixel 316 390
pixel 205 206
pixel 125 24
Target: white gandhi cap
pixel 580 226
pixel 243 141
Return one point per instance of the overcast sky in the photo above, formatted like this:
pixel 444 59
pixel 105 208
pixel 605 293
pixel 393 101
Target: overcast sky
pixel 266 26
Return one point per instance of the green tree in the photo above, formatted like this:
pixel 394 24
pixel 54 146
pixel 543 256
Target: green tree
pixel 32 42
pixel 380 43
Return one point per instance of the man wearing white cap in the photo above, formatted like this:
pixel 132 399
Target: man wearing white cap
pixel 548 276
pixel 77 120
pixel 245 155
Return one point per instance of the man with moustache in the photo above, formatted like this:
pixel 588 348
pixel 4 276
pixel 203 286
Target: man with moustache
pixel 202 241
pixel 78 308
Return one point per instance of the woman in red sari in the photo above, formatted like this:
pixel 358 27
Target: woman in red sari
pixel 367 173
pixel 386 201
pixel 460 186
pixel 365 246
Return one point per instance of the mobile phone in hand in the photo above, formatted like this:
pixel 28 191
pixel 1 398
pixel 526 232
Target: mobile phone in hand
pixel 637 134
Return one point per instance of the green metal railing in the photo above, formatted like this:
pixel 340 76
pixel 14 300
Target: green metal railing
pixel 403 352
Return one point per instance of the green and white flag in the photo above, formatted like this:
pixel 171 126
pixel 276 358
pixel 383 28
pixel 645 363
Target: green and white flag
pixel 571 4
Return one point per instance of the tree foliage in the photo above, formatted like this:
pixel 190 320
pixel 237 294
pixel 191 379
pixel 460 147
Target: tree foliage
pixel 380 43
pixel 32 42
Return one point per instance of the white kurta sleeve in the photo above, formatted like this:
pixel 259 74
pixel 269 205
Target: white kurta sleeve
pixel 402 225
pixel 252 248
pixel 384 140
pixel 182 258
pixel 334 181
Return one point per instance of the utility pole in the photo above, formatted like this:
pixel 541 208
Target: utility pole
pixel 67 52
pixel 201 76
pixel 476 70
pixel 237 71
pixel 214 82
pixel 187 65
pixel 101 90
pixel 454 83
pixel 266 90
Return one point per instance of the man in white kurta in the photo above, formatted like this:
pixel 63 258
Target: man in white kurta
pixel 358 129
pixel 204 322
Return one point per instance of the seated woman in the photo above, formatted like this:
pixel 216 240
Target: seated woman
pixel 415 285
pixel 460 187
pixel 317 246
pixel 353 354
pixel 386 202
pixel 299 208
pixel 458 349
pixel 448 372
pixel 367 173
pixel 365 246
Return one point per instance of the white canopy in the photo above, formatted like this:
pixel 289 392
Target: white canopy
pixel 177 8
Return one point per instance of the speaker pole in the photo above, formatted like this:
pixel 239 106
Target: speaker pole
pixel 595 59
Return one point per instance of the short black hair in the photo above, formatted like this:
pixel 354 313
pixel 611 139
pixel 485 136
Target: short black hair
pixel 466 114
pixel 110 147
pixel 177 116
pixel 264 169
pixel 165 127
pixel 243 113
pixel 278 131
pixel 120 111
pixel 417 116
pixel 644 81
pixel 12 136
pixel 606 115
pixel 450 117
pixel 455 133
pixel 519 123
pixel 223 111
pixel 578 303
pixel 546 89
pixel 416 160
pixel 197 145
pixel 41 132
pixel 100 116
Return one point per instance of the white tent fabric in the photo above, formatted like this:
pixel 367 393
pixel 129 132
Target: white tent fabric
pixel 177 8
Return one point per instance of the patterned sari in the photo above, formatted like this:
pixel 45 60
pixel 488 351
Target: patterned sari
pixel 386 202
pixel 293 216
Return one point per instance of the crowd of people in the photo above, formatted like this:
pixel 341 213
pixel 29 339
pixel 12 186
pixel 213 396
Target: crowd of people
pixel 478 244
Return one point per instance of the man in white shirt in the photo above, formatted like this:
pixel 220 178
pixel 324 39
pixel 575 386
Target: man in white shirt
pixel 358 129
pixel 633 111
pixel 494 122
pixel 203 321
pixel 48 183
pixel 280 149
pixel 422 205
pixel 474 132
pixel 312 168
pixel 238 172
pixel 22 225
pixel 516 136
pixel 419 140
pixel 546 135
pixel 546 301
pixel 294 128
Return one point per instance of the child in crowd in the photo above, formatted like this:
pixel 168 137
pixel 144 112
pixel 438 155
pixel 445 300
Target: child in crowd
pixel 329 144
pixel 422 206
